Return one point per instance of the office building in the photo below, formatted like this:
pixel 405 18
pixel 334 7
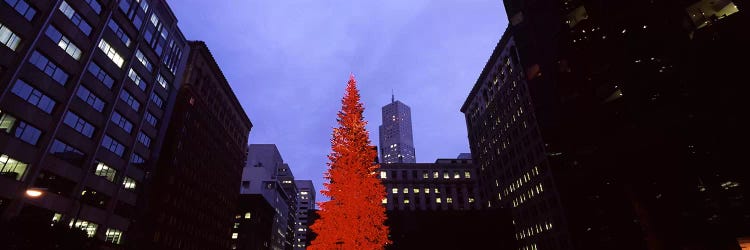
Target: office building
pixel 447 184
pixel 253 223
pixel 396 139
pixel 191 197
pixel 305 204
pixel 264 174
pixel 87 90
pixel 622 127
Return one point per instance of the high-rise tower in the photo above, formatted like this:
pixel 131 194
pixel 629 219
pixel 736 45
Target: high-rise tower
pixel 396 140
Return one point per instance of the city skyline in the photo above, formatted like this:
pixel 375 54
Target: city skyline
pixel 271 58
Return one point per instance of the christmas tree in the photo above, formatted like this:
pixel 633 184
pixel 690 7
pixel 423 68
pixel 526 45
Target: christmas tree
pixel 354 217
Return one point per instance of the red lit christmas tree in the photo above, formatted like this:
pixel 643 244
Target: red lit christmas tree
pixel 354 217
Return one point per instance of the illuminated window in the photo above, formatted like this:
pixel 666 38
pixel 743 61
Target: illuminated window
pixel 111 53
pixel 425 175
pixel 437 191
pixel 11 167
pixel 63 42
pixel 234 235
pixel 137 79
pixel 456 175
pixel 467 174
pixel 426 190
pixel 435 174
pixel 383 175
pixel 438 200
pixel 8 38
pixel 113 235
pixel 57 217
pixel 471 200
pixel 406 190
pixel 128 183
pixel 248 215
pixel 449 200
pixel 385 200
pixel 105 171
pixel 446 175
pixel 416 190
pixel 89 227
pixel 406 201
pixel 394 190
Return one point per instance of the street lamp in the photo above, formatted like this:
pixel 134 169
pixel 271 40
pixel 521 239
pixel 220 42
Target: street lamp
pixel 34 193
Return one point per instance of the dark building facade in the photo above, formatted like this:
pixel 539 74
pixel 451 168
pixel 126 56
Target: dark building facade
pixel 192 194
pixel 253 224
pixel 447 184
pixel 630 111
pixel 86 89
pixel 305 204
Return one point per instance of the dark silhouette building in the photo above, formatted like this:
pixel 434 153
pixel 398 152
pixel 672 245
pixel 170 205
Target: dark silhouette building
pixel 253 224
pixel 447 184
pixel 87 88
pixel 192 194
pixel 618 122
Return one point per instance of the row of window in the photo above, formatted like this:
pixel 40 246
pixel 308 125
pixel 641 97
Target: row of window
pixel 63 42
pixel 438 200
pixel 8 38
pixel 76 18
pixel 20 129
pixel 23 8
pixel 425 175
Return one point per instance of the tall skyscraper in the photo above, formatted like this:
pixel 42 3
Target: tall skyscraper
pixel 396 139
pixel 305 205
pixel 87 88
pixel 616 124
pixel 191 184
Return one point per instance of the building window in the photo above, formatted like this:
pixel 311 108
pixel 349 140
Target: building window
pixel 130 100
pixel 248 215
pixel 92 100
pixel 79 124
pixel 162 82
pixel 8 38
pixel 144 139
pixel 7 122
pixel 23 8
pixel 385 201
pixel 456 175
pixel 394 190
pixel 144 61
pixel 128 183
pixel 137 79
pixel 89 227
pixel 99 73
pixel 157 100
pixel 426 190
pixel 406 190
pixel 136 159
pixel 113 235
pixel 467 174
pixel 406 201
pixel 416 190
pixel 122 122
pixel 119 32
pixel 94 4
pixel 234 235
pixel 435 174
pixel 151 119
pixel 425 175
pixel 105 171
pixel 12 168
pixel 49 68
pixel 33 96
pixel 113 146
pixel 28 133
pixel 63 42
pixel 438 200
pixel 75 18
pixel 111 53
pixel 66 152
pixel 449 200
pixel 446 175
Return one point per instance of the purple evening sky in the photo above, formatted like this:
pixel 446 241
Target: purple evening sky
pixel 288 63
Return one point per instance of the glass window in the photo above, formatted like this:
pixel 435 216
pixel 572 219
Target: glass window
pixel 144 61
pixel 8 38
pixel 137 79
pixel 113 145
pixel 79 124
pixel 12 168
pixel 49 68
pixel 113 235
pixel 119 32
pixel 63 42
pixel 23 8
pixel 7 122
pixel 28 133
pixel 162 82
pixel 99 73
pixel 130 100
pixel 33 96
pixel 136 159
pixel 94 4
pixel 87 96
pixel 395 190
pixel 144 139
pixel 467 174
pixel 66 152
pixel 383 174
pixel 128 183
pixel 157 100
pixel 89 227
pixel 74 17
pixel 151 119
pixel 122 122
pixel 111 53
pixel 105 171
